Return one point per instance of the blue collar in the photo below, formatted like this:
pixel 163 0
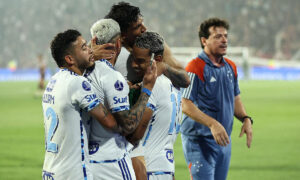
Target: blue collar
pixel 204 57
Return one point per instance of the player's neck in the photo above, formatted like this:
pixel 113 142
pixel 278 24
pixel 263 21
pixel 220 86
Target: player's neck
pixel 113 61
pixel 215 59
pixel 74 69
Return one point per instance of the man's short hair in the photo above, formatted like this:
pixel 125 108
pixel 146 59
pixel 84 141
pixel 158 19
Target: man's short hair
pixel 125 14
pixel 61 45
pixel 106 30
pixel 152 41
pixel 211 22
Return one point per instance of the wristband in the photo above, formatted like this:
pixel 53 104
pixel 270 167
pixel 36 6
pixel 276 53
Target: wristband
pixel 243 119
pixel 147 91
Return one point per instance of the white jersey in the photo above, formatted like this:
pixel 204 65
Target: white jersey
pixel 163 127
pixel 112 89
pixel 66 96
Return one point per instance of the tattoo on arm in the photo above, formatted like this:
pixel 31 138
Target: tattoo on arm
pixel 129 120
pixel 116 128
pixel 105 112
pixel 178 77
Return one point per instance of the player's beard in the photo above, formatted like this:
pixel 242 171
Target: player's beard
pixel 85 64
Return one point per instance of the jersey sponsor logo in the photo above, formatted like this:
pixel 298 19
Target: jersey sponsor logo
pixel 51 85
pixel 91 97
pixel 48 98
pixel 170 155
pixel 119 85
pixel 86 86
pixel 48 175
pixel 93 147
pixel 119 100
pixel 212 79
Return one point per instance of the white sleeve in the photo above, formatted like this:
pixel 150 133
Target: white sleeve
pixel 82 94
pixel 116 92
pixel 152 102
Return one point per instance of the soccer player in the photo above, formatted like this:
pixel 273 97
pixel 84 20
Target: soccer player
pixel 163 111
pixel 209 104
pixel 109 150
pixel 131 23
pixel 66 96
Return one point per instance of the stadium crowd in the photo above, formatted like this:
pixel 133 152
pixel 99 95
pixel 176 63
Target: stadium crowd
pixel 271 28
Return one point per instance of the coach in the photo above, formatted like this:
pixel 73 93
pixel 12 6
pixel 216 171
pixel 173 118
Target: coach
pixel 209 104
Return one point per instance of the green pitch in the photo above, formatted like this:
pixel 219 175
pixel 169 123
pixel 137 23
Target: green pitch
pixel 274 155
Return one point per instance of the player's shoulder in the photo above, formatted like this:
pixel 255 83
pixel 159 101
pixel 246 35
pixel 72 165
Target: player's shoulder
pixel 162 83
pixel 196 66
pixel 232 64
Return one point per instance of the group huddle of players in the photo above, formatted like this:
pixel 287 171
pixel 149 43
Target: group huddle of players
pixel 113 110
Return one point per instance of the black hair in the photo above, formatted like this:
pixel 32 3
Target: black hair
pixel 211 22
pixel 61 44
pixel 152 41
pixel 125 14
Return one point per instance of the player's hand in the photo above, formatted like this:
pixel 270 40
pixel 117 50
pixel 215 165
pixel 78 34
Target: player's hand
pixel 219 133
pixel 104 51
pixel 150 76
pixel 247 128
pixel 134 86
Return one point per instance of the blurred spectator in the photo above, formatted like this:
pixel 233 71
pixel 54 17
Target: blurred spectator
pixel 269 27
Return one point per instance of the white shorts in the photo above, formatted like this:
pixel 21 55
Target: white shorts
pixel 160 176
pixel 117 170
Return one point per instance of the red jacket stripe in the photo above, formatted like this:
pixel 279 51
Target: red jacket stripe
pixel 196 66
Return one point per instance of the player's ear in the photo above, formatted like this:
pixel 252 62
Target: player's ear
pixel 69 60
pixel 118 44
pixel 158 58
pixel 203 41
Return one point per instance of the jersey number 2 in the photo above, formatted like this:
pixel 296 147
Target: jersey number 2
pixel 50 145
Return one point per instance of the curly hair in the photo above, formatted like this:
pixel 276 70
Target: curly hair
pixel 106 30
pixel 61 44
pixel 125 14
pixel 152 41
pixel 211 22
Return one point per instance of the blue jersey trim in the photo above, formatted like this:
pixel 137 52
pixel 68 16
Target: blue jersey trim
pixel 92 105
pixel 149 131
pixel 108 161
pixel 107 63
pixel 151 106
pixel 82 151
pixel 120 108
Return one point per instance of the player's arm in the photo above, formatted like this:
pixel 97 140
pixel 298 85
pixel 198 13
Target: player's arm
pixel 174 70
pixel 104 51
pixel 239 113
pixel 218 131
pixel 105 118
pixel 129 120
pixel 139 132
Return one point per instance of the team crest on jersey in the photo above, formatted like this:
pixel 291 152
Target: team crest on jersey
pixel 86 86
pixel 119 85
pixel 48 175
pixel 170 155
pixel 93 147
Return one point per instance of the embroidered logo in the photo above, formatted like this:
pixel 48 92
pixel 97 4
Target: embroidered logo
pixel 212 79
pixel 86 86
